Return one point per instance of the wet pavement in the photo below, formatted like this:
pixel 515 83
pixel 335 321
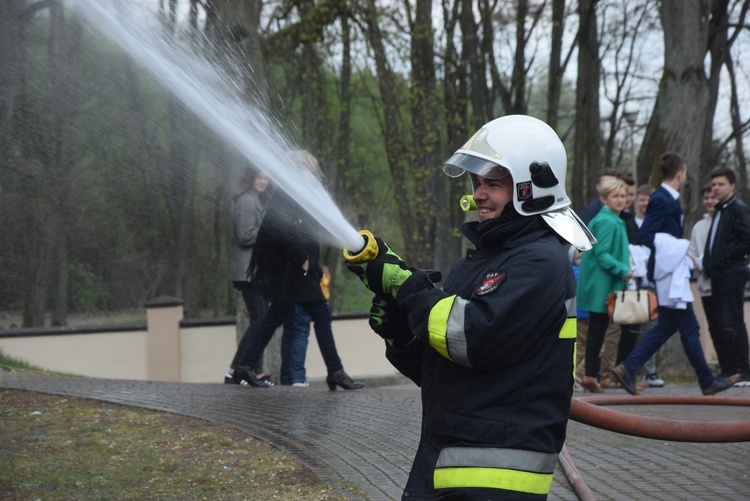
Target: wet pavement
pixel 368 437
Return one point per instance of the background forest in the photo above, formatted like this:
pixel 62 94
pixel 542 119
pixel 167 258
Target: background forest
pixel 112 193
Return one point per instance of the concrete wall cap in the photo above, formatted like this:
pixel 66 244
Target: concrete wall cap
pixel 163 302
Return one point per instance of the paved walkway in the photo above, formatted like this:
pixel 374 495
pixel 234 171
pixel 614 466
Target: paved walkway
pixel 368 437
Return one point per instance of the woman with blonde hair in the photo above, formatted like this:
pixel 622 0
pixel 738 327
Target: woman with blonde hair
pixel 604 269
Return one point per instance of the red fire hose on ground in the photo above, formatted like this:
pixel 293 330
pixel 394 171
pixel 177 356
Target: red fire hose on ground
pixel 590 411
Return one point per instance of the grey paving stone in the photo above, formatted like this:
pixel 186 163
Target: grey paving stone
pixel 368 437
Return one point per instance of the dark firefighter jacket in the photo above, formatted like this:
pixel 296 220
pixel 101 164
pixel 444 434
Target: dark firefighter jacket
pixel 495 362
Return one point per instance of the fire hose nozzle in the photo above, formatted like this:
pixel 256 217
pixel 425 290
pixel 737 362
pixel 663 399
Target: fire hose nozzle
pixel 467 203
pixel 368 252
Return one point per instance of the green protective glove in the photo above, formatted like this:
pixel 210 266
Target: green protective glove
pixel 388 321
pixel 384 274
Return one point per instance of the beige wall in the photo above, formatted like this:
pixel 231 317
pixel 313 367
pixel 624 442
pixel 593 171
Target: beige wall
pixel 204 352
pixel 116 355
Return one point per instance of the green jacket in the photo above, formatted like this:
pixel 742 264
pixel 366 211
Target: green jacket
pixel 604 267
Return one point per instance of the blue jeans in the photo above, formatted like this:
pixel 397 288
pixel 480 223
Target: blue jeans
pixel 294 346
pixel 670 321
pixel 262 332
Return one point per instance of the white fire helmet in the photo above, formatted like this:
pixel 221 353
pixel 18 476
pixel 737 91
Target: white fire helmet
pixel 530 152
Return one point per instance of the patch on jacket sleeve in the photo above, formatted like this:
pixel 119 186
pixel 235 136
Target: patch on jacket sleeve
pixel 490 282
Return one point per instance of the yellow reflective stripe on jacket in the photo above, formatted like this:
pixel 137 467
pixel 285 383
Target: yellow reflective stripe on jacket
pixel 446 329
pixel 493 478
pixel 570 327
pixel 509 469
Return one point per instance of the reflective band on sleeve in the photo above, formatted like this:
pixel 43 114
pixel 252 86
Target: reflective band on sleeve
pixel 437 325
pixel 511 469
pixel 446 329
pixel 493 478
pixel 569 329
pixel 539 462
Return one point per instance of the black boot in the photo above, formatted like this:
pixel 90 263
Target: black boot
pixel 341 378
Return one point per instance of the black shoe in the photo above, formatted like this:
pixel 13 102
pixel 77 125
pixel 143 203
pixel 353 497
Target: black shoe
pixel 718 385
pixel 625 377
pixel 247 376
pixel 231 378
pixel 341 378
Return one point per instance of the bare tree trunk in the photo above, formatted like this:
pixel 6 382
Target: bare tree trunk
pixel 66 37
pixel 719 50
pixel 425 133
pixel 675 126
pixel 11 28
pixel 37 279
pixel 587 145
pixel 475 55
pixel 518 80
pixel 448 191
pixel 554 84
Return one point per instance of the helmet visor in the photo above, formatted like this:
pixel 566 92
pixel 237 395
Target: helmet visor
pixel 460 163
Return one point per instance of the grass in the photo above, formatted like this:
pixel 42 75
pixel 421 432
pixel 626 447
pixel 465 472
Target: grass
pixel 62 448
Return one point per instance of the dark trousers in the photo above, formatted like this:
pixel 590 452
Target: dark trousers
pixel 262 332
pixel 728 294
pixel 598 323
pixel 670 321
pixel 628 339
pixel 252 295
pixel 713 329
pixel 256 309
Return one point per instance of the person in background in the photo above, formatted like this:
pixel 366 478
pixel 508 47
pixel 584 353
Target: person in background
pixel 582 322
pixel 295 340
pixel 640 255
pixel 725 264
pixel 285 265
pixel 593 208
pixel 662 231
pixel 604 269
pixel 492 350
pixel 251 196
pixel 698 238
pixel 618 336
pixel 642 196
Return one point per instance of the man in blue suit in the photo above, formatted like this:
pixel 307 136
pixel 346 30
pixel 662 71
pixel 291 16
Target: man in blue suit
pixel 664 215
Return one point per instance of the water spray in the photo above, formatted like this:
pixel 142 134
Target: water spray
pixel 213 96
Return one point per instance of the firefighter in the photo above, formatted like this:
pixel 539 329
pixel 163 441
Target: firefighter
pixel 493 351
